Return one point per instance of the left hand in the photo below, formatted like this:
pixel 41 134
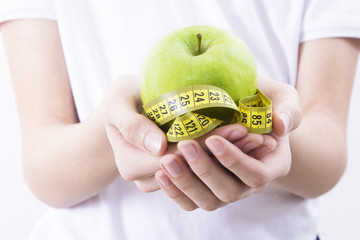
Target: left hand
pixel 235 171
pixel 209 184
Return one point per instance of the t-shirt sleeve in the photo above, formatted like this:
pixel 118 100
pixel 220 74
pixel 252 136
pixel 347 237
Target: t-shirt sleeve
pixel 22 9
pixel 331 18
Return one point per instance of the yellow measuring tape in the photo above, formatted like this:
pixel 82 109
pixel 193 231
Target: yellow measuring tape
pixel 193 111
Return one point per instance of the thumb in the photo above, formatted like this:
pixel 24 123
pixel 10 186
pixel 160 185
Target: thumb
pixel 124 115
pixel 287 114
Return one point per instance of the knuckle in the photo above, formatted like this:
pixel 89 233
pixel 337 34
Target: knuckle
pixel 210 206
pixel 146 187
pixel 246 194
pixel 130 127
pixel 174 195
pixel 186 186
pixel 127 171
pixel 128 175
pixel 204 172
pixel 228 196
pixel 230 163
pixel 184 203
pixel 260 180
pixel 189 207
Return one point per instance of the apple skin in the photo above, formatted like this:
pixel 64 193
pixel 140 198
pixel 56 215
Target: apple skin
pixel 173 63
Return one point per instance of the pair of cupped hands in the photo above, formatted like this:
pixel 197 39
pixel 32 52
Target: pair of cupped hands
pixel 221 167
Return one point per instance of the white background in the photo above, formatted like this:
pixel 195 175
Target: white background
pixel 19 210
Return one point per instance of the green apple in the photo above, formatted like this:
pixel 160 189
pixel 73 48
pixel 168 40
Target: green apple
pixel 198 55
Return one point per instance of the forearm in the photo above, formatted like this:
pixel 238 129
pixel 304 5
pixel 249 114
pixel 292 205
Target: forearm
pixel 318 150
pixel 326 72
pixel 65 164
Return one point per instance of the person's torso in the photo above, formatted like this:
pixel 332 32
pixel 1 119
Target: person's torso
pixel 103 40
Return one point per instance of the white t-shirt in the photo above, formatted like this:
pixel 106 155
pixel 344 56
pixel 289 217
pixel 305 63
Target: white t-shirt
pixel 103 39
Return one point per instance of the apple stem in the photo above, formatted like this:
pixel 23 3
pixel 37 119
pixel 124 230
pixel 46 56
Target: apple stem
pixel 198 37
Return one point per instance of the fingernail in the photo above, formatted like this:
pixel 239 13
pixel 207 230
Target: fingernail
pixel 189 151
pixel 249 146
pixel 152 142
pixel 215 146
pixel 235 135
pixel 163 179
pixel 172 167
pixel 286 121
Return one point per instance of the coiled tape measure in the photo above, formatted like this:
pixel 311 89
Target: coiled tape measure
pixel 186 113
